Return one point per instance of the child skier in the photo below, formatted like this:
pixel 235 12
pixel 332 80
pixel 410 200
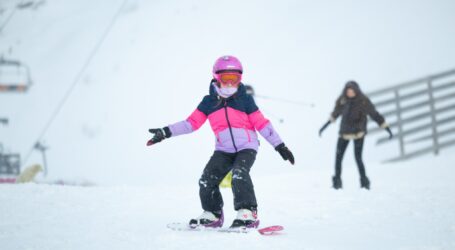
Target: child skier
pixel 234 117
pixel 353 106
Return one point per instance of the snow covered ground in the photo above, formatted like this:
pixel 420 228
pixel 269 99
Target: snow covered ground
pixel 410 206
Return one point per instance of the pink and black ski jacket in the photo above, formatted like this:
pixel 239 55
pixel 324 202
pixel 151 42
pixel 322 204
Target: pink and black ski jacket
pixel 234 121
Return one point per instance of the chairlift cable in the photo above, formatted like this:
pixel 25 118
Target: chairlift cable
pixel 273 115
pixel 76 79
pixel 8 18
pixel 305 104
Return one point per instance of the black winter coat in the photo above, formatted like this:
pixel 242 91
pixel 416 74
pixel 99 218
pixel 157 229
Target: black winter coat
pixel 354 111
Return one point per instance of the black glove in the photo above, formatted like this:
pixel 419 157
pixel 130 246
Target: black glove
pixel 390 132
pixel 323 128
pixel 159 134
pixel 285 153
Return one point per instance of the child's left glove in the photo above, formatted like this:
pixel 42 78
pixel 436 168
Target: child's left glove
pixel 285 153
pixel 159 134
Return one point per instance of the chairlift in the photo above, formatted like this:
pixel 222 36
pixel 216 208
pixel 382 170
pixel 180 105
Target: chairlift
pixel 9 166
pixel 14 76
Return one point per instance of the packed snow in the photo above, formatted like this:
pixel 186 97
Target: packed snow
pixel 410 206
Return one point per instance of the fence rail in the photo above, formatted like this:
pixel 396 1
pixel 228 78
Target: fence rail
pixel 423 106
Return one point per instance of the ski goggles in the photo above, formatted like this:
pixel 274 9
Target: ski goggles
pixel 230 78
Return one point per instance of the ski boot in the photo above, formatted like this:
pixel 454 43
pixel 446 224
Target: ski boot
pixel 208 219
pixel 336 181
pixel 246 219
pixel 364 182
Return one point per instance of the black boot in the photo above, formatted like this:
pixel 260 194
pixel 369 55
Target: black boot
pixel 364 182
pixel 336 181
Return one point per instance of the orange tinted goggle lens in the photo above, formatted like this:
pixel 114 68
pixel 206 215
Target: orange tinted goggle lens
pixel 232 78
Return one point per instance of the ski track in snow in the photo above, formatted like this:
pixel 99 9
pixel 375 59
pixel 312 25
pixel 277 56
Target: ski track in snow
pixel 409 207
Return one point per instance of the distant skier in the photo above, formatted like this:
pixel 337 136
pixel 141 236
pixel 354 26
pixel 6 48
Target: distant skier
pixel 353 106
pixel 234 118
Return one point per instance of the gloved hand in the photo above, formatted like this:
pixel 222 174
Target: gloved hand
pixel 159 134
pixel 323 128
pixel 285 153
pixel 390 132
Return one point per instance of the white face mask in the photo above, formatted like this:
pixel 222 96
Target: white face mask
pixel 225 92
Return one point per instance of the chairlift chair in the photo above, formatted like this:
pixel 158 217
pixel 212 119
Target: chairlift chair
pixel 14 76
pixel 9 166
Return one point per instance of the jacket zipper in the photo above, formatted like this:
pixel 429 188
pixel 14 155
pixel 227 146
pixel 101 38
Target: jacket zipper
pixel 229 125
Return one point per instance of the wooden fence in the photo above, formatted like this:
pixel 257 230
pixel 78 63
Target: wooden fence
pixel 421 114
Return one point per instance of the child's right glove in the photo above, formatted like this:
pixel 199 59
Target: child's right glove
pixel 159 134
pixel 285 153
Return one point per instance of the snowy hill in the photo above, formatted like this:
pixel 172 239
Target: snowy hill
pixel 410 206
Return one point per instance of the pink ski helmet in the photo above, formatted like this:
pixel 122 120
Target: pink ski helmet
pixel 226 63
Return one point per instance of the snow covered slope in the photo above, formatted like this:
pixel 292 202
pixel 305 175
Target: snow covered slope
pixel 410 206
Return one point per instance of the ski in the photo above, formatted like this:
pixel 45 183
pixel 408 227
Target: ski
pixel 269 230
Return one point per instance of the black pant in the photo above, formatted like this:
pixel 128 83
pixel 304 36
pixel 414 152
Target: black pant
pixel 341 148
pixel 217 168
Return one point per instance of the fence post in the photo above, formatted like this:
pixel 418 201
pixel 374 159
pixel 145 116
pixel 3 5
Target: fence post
pixel 399 123
pixel 433 118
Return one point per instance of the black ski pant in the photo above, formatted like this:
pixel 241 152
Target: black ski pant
pixel 341 148
pixel 217 168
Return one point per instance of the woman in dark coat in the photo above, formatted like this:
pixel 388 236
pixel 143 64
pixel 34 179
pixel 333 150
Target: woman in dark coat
pixel 353 106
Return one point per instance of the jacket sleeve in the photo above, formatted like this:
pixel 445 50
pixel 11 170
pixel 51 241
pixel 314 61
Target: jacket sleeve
pixel 262 124
pixel 338 109
pixel 374 114
pixel 192 123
